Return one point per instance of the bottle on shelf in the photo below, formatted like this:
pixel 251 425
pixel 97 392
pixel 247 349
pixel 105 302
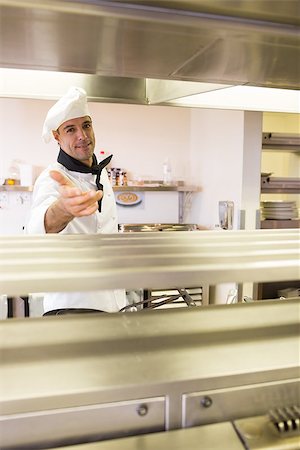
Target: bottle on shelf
pixel 167 172
pixel 13 174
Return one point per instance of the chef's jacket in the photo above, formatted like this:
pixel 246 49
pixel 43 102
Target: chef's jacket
pixel 45 192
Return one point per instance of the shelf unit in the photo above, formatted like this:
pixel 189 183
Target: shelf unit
pixel 15 188
pixel 278 142
pixel 281 142
pixel 287 143
pixel 275 185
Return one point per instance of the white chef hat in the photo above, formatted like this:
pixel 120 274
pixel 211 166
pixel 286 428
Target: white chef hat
pixel 72 105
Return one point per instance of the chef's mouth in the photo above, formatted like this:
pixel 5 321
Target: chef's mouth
pixel 83 145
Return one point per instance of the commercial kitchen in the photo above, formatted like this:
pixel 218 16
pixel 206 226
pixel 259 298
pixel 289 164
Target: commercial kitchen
pixel 199 104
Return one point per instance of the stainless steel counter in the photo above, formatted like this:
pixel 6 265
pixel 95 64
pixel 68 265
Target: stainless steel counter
pixel 116 375
pixel 82 379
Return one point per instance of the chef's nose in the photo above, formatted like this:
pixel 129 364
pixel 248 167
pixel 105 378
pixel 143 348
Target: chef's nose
pixel 82 133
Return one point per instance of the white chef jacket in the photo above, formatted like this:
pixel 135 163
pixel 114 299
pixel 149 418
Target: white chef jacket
pixel 45 192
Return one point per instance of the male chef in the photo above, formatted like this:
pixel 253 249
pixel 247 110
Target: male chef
pixel 74 196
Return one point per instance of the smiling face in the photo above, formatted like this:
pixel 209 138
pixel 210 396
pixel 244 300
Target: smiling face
pixel 76 138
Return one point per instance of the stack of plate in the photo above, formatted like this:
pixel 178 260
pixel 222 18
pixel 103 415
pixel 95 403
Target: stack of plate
pixel 279 210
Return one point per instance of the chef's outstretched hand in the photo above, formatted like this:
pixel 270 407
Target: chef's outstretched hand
pixel 76 202
pixel 73 202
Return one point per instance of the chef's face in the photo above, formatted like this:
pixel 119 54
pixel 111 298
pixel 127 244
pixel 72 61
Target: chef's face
pixel 76 138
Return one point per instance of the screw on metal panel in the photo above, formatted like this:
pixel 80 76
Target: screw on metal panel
pixel 142 410
pixel 206 402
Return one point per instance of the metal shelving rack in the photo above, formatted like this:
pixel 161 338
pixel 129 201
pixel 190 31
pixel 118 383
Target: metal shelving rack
pixel 280 185
pixel 274 185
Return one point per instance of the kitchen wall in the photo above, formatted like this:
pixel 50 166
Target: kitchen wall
pixel 225 150
pixel 140 137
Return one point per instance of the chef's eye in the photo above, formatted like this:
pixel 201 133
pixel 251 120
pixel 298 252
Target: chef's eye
pixel 87 125
pixel 70 130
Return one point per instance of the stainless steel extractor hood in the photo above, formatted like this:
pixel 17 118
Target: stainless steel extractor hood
pixel 119 45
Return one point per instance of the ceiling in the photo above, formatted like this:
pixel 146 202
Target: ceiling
pixel 120 45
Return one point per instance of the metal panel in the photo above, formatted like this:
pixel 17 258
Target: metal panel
pixel 233 403
pixel 80 424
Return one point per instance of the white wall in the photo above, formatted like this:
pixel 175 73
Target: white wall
pixel 251 173
pixel 216 151
pixel 140 137
pixel 225 157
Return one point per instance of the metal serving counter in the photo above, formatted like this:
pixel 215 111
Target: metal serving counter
pixel 77 379
pixel 85 379
pixel 130 260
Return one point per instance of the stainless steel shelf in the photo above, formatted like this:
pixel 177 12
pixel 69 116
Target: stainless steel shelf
pixel 281 142
pixel 281 185
pixel 130 260
pixel 143 187
pixel 279 191
pixel 157 187
pixel 271 224
pixel 15 188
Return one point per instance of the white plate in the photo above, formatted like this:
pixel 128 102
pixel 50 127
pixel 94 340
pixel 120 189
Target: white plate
pixel 128 199
pixel 279 210
pixel 277 204
pixel 280 216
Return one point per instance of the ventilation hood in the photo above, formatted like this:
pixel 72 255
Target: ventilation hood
pixel 147 52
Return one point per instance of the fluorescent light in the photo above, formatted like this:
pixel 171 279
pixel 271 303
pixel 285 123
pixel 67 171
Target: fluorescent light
pixel 37 83
pixel 246 98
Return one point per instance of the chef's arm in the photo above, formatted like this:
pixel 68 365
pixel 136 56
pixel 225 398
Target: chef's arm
pixel 72 203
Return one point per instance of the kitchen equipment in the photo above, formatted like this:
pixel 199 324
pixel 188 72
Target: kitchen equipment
pixel 174 297
pixel 226 210
pixel 278 429
pixel 153 227
pixel 195 40
pixel 162 298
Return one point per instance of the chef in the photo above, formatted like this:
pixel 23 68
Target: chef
pixel 74 196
